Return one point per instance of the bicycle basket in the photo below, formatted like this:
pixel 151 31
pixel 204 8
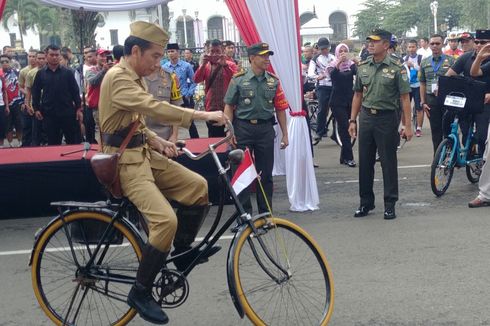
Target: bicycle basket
pixel 90 232
pixel 461 94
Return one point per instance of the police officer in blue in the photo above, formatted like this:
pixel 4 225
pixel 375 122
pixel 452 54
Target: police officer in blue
pixel 250 101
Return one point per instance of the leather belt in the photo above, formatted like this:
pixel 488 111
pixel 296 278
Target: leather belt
pixel 377 112
pixel 116 140
pixel 257 121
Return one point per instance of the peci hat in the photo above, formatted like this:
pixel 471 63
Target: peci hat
pixel 483 34
pixel 149 32
pixel 466 36
pixel 379 34
pixel 173 46
pixel 323 43
pixel 259 49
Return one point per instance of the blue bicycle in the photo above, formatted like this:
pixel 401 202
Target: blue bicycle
pixel 451 154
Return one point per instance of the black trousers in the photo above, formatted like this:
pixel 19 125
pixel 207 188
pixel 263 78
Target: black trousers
pixel 378 131
pixel 342 116
pixel 27 129
pixel 189 103
pixel 259 139
pixel 215 131
pixel 58 126
pixel 89 122
pixel 436 120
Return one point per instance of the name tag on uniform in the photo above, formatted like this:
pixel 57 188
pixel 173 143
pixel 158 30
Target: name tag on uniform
pixel 434 88
pixel 455 101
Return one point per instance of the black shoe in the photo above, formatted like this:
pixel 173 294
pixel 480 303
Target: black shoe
pixel 183 262
pixel 141 299
pixel 390 213
pixel 349 163
pixel 363 211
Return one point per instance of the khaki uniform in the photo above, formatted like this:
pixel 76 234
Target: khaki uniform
pixel 148 178
pixel 164 86
pixel 23 75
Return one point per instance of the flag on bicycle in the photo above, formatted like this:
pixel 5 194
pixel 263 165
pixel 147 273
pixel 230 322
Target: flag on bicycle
pixel 245 173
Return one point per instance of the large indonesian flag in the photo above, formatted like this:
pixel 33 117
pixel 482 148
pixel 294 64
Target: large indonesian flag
pixel 245 174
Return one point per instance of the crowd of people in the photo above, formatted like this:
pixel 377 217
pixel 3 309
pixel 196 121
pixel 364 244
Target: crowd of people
pixel 331 75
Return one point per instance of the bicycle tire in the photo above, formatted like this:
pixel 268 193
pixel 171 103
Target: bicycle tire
pixel 309 271
pixel 337 139
pixel 53 248
pixel 313 115
pixel 443 162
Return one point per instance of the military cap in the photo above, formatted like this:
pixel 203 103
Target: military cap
pixel 149 32
pixel 378 35
pixel 173 46
pixel 483 34
pixel 466 36
pixel 259 49
pixel 323 43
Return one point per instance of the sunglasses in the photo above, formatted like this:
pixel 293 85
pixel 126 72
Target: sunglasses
pixel 435 43
pixel 481 42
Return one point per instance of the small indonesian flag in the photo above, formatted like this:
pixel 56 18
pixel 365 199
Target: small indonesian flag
pixel 245 174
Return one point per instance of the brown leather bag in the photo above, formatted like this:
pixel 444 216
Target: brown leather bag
pixel 105 166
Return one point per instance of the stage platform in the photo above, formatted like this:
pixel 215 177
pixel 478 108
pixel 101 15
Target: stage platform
pixel 31 178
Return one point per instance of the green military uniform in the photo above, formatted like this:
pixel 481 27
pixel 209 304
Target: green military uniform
pixel 430 70
pixel 255 98
pixel 381 84
pixel 164 86
pixel 149 179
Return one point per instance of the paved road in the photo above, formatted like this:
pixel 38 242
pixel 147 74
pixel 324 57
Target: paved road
pixel 430 266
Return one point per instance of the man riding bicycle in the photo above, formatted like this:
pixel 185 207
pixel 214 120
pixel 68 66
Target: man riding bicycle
pixel 148 178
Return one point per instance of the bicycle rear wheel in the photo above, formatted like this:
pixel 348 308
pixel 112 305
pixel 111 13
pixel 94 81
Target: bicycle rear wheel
pixel 473 169
pixel 95 295
pixel 337 139
pixel 303 295
pixel 442 168
pixel 313 115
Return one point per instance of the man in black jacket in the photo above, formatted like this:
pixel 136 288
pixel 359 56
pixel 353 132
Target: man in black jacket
pixel 56 100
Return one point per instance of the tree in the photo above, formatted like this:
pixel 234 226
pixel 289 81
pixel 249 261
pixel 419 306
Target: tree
pixel 476 14
pixel 84 24
pixel 26 12
pixel 371 17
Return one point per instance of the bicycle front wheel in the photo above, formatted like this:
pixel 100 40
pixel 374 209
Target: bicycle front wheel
pixel 442 168
pixel 72 294
pixel 296 291
pixel 338 139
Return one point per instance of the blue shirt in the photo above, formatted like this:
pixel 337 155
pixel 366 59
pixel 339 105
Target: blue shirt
pixel 184 71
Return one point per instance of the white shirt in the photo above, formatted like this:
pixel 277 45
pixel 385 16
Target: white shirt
pixel 319 67
pixel 425 53
pixel 415 66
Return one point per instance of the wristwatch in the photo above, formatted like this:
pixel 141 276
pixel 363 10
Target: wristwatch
pixel 352 121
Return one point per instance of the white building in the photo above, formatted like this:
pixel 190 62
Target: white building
pixel 203 20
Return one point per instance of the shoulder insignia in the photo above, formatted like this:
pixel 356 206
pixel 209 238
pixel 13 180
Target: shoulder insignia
pixel 272 75
pixel 238 74
pixel 363 62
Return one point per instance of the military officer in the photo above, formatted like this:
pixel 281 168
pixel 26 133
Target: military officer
pixel 430 69
pixel 148 178
pixel 381 86
pixel 251 100
pixel 164 86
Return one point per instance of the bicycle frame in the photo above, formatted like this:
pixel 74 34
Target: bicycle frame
pixel 459 154
pixel 116 213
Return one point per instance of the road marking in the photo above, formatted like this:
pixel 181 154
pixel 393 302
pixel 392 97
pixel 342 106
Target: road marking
pixel 353 181
pixel 28 252
pixel 414 166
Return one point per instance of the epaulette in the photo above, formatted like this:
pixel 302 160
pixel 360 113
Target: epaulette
pixel 395 60
pixel 240 73
pixel 273 75
pixel 364 62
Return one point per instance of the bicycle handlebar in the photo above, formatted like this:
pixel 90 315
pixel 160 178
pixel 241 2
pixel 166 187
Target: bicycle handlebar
pixel 181 144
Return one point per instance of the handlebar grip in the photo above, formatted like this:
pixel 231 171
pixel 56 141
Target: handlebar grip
pixel 180 144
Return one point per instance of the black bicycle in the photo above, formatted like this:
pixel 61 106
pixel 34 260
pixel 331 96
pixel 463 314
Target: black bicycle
pixel 313 109
pixel 84 263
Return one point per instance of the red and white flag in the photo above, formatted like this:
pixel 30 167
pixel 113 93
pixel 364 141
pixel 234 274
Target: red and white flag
pixel 245 174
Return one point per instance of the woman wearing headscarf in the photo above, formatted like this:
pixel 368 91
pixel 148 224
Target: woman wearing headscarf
pixel 342 71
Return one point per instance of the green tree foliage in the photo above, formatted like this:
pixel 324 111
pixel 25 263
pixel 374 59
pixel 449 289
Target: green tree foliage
pixel 400 17
pixel 25 12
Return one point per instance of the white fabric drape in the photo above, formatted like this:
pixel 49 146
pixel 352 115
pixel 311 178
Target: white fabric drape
pixel 104 5
pixel 276 23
